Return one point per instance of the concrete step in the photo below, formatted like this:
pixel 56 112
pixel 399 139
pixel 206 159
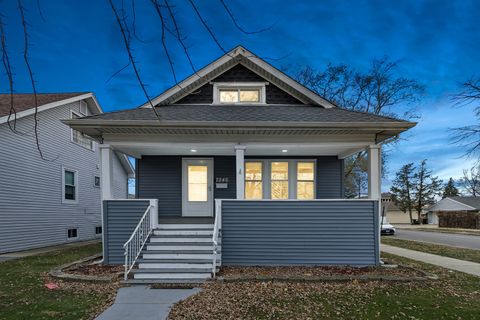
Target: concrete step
pixel 183 233
pixel 170 226
pixel 176 265
pixel 186 282
pixel 172 271
pixel 171 276
pixel 181 240
pixel 180 247
pixel 192 261
pixel 176 255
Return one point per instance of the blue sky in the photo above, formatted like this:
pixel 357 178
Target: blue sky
pixel 78 47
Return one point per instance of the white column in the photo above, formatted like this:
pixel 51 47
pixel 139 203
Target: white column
pixel 240 176
pixel 374 172
pixel 106 171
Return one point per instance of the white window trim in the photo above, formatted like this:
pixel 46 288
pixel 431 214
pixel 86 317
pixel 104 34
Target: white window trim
pixel 68 201
pixel 292 176
pixel 72 238
pixel 78 114
pixel 217 86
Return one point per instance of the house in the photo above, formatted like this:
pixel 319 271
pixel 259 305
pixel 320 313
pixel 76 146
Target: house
pixel 56 200
pixel 454 206
pixel 392 213
pixel 238 164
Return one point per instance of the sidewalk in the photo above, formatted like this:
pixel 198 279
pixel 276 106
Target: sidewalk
pixel 445 262
pixel 33 252
pixel 143 303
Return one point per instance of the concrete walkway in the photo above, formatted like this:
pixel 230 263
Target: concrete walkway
pixel 143 303
pixel 445 262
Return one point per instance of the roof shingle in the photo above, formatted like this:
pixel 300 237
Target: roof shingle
pixel 25 101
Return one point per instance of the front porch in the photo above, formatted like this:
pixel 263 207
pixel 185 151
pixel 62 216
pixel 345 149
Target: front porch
pixel 238 204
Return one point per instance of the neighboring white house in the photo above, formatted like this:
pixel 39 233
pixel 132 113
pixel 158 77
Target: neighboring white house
pixel 453 204
pixel 55 200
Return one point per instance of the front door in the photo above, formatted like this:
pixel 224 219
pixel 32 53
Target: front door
pixel 197 187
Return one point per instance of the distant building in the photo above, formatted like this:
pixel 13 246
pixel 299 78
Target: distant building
pixel 393 214
pixel 454 205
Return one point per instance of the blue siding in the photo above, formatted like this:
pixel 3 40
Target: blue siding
pixel 299 233
pixel 160 177
pixel 120 219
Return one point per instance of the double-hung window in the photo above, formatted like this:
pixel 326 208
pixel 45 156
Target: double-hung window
pixel 280 179
pixel 70 186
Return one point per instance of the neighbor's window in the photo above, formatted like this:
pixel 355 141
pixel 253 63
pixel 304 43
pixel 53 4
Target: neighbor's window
pixel 98 230
pixel 279 180
pixel 72 233
pixel 305 180
pixel 80 138
pixel 69 185
pixel 96 181
pixel 253 180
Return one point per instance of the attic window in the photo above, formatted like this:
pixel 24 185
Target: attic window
pixel 239 93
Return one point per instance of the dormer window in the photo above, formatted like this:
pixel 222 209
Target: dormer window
pixel 239 93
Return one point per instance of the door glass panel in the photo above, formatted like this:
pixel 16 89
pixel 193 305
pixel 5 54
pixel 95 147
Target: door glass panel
pixel 198 183
pixel 279 178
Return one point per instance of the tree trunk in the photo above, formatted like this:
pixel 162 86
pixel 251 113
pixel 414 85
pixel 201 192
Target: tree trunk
pixel 419 216
pixel 410 214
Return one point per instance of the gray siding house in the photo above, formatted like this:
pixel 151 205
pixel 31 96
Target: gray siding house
pixel 238 165
pixel 56 200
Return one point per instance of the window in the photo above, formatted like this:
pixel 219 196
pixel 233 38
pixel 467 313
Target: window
pixel 83 108
pixel 80 138
pixel 96 181
pixel 305 180
pixel 238 93
pixel 198 183
pixel 98 231
pixel 279 180
pixel 253 180
pixel 70 183
pixel 72 233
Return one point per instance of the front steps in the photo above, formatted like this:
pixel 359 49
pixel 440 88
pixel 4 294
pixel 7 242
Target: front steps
pixel 177 253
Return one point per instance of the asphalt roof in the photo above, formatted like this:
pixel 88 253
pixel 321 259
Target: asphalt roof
pixel 236 113
pixel 469 201
pixel 25 101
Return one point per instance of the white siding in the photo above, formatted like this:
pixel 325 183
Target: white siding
pixel 31 210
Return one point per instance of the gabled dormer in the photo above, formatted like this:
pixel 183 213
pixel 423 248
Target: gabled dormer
pixel 239 77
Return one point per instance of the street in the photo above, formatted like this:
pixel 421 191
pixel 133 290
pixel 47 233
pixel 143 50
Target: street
pixel 455 240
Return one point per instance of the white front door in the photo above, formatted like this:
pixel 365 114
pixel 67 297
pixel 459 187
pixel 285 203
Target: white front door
pixel 197 187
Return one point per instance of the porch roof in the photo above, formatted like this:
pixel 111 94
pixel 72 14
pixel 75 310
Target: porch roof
pixel 239 117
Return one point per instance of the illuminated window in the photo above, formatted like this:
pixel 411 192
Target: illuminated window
pixel 239 93
pixel 198 183
pixel 305 180
pixel 253 180
pixel 279 180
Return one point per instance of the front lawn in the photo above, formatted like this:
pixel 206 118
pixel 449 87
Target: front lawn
pixel 24 296
pixel 473 232
pixel 446 251
pixel 454 296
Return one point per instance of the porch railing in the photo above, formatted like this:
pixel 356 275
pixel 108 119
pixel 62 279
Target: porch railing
pixel 134 245
pixel 216 230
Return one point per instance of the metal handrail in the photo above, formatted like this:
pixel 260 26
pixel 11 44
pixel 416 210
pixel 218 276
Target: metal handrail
pixel 216 231
pixel 134 245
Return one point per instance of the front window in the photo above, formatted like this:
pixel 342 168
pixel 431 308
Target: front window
pixel 283 179
pixel 253 180
pixel 238 93
pixel 70 185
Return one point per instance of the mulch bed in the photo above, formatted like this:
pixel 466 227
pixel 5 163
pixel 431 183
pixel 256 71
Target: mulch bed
pixel 94 268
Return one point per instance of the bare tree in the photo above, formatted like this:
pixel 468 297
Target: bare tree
pixel 469 136
pixel 471 181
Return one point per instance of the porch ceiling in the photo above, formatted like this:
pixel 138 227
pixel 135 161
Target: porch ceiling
pixel 340 149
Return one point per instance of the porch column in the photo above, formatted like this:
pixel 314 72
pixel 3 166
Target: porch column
pixel 374 172
pixel 240 176
pixel 106 171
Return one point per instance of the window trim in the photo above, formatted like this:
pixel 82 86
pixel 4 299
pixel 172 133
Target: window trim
pixel 68 201
pixel 79 114
pixel 72 238
pixel 292 176
pixel 217 86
